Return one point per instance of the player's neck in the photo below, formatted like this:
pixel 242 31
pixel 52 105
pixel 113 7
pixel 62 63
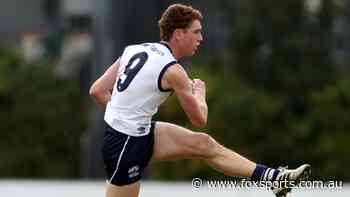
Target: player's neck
pixel 174 49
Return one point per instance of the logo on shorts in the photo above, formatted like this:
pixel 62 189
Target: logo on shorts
pixel 133 171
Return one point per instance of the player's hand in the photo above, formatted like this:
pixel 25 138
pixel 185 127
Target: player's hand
pixel 199 88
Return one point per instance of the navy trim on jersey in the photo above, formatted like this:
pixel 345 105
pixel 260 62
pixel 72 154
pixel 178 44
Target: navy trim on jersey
pixel 165 68
pixel 166 45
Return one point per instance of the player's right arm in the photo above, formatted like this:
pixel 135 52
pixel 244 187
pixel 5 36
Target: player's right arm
pixel 191 94
pixel 101 89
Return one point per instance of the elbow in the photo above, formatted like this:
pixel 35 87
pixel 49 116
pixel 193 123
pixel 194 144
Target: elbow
pixel 198 118
pixel 199 122
pixel 93 92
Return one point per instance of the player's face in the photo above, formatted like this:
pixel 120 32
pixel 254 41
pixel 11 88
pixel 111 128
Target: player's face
pixel 192 38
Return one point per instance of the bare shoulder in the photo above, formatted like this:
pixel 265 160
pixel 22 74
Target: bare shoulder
pixel 175 76
pixel 176 72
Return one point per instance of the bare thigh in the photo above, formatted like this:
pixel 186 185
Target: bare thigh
pixel 175 142
pixel 131 190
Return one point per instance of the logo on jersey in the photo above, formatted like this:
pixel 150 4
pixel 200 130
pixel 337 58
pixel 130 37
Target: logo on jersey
pixel 156 50
pixel 141 130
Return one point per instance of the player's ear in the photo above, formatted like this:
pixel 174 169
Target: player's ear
pixel 178 34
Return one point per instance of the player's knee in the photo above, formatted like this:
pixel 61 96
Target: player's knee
pixel 204 143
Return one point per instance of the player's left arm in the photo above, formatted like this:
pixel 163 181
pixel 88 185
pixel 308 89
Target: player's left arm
pixel 100 90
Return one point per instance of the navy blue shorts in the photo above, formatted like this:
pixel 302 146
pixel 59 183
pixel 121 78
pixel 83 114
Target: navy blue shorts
pixel 125 157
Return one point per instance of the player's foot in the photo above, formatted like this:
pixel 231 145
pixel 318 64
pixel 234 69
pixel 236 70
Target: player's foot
pixel 301 173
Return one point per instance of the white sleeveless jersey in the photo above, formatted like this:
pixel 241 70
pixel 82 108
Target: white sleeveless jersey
pixel 137 92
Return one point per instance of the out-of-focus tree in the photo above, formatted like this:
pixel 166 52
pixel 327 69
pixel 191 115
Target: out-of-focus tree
pixel 279 99
pixel 42 120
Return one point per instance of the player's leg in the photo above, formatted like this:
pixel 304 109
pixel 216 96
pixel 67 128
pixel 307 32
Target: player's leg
pixel 131 190
pixel 175 142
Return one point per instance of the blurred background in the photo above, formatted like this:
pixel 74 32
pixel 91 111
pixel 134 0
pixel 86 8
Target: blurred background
pixel 277 75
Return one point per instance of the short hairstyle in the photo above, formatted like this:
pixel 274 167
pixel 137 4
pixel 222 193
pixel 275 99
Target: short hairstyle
pixel 177 16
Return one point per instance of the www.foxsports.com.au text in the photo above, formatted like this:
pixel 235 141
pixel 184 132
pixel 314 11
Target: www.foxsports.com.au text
pixel 198 183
